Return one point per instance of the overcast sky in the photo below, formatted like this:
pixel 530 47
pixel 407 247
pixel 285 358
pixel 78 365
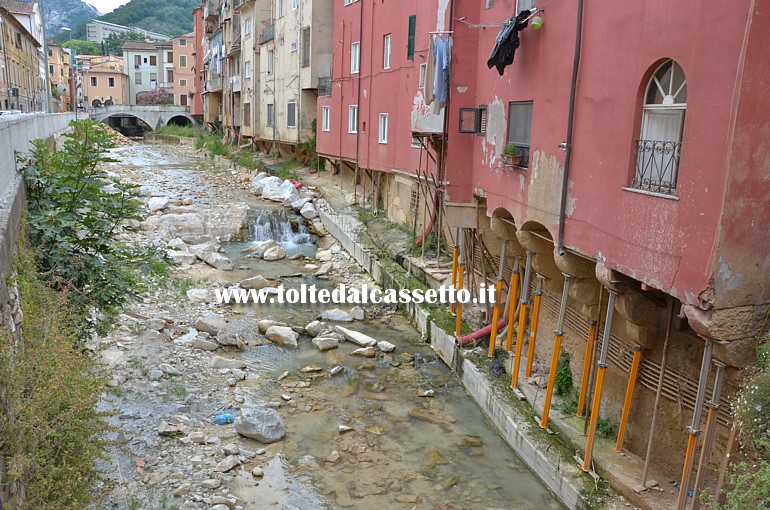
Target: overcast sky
pixel 105 6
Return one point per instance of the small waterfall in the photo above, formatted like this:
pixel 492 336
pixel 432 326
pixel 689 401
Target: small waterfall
pixel 277 226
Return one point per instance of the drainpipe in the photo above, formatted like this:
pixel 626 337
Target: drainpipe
pixel 693 431
pixel 659 391
pixel 455 255
pixel 558 334
pixel 629 398
pixel 522 321
pixel 589 357
pixel 602 368
pixel 498 292
pixel 708 437
pixel 533 329
pixel 512 304
pixel 358 99
pixel 570 125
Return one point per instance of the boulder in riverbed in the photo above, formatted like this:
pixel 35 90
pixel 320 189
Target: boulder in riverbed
pixel 262 424
pixel 282 335
pixel 356 337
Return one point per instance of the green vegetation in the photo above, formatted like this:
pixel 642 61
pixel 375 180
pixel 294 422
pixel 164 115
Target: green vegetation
pixel 213 143
pixel 287 169
pixel 174 130
pixel 563 379
pixel 605 427
pixel 511 150
pixel 50 432
pixel 169 17
pixel 76 216
pixel 749 474
pixel 113 45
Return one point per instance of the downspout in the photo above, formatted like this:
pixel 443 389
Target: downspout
pixel 358 98
pixel 570 126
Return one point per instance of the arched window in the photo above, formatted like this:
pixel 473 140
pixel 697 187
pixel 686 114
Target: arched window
pixel 660 139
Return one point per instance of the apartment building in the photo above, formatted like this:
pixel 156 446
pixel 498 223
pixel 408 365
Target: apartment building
pixel 22 71
pixel 98 31
pixel 150 67
pixel 59 76
pixel 102 80
pixel 196 104
pixel 184 71
pixel 212 65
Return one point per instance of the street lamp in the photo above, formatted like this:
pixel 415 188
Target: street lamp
pixel 72 73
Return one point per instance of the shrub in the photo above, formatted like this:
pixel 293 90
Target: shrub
pixel 606 427
pixel 174 130
pixel 563 378
pixel 50 432
pixel 158 96
pixel 76 215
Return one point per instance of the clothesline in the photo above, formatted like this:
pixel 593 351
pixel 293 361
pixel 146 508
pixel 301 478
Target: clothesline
pixel 496 23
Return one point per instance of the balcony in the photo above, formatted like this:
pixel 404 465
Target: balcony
pixel 213 85
pixel 521 160
pixel 325 86
pixel 268 34
pixel 210 9
pixel 657 166
pixel 235 83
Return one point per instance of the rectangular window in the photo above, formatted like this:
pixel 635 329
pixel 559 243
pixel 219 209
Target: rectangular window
pixel 183 61
pixel 182 42
pixel 247 69
pixel 386 52
pixel 170 57
pixel 153 60
pixel 270 61
pixel 137 60
pixel 326 120
pixel 293 46
pixel 410 40
pixel 355 57
pixel 353 118
pixel 280 8
pixel 93 81
pixel 491 3
pixel 520 129
pixel 305 46
pixel 383 138
pixel 522 5
pixel 183 82
pixel 291 114
pixel 110 82
pixel 294 4
pixel 416 144
pixel 138 78
pixel 423 74
pixel 247 27
pixel 270 114
pixel 182 99
pixel 348 2
pixel 50 69
pixel 153 77
pixel 247 114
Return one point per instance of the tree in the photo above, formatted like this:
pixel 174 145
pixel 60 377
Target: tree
pixel 113 45
pixel 158 96
pixel 82 47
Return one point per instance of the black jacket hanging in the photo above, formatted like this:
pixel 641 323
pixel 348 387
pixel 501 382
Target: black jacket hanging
pixel 507 41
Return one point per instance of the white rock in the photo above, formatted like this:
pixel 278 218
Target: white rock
pixel 274 253
pixel 155 375
pixel 357 313
pixel 282 335
pixel 323 255
pixel 325 268
pixel 211 483
pixel 200 296
pixel 315 328
pixel 264 425
pixel 336 315
pixel 257 472
pixel 258 250
pixel 356 337
pixel 168 369
pixel 220 362
pixel 213 258
pixel 386 346
pixel 308 211
pixel 365 352
pixel 203 344
pixel 227 464
pixel 256 282
pixel 326 343
pixel 311 267
pixel 157 203
pixel 211 323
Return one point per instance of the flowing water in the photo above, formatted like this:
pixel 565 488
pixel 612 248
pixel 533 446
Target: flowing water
pixel 404 450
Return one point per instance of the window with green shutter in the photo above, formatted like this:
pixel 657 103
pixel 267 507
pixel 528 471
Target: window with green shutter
pixel 410 44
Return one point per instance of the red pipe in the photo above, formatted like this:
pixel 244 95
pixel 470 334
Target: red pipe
pixel 471 337
pixel 433 215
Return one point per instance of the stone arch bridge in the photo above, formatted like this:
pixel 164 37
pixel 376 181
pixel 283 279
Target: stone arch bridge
pixel 155 116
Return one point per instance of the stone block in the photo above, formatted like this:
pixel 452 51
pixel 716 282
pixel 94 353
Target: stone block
pixel 726 323
pixel 585 290
pixel 739 353
pixel 576 266
pixel 637 308
pixel 534 243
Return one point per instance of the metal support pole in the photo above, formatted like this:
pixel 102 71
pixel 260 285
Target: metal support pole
pixel 512 304
pixel 693 430
pixel 522 321
pixel 498 298
pixel 455 255
pixel 460 279
pixel 732 441
pixel 589 357
pixel 558 334
pixel 659 392
pixel 601 369
pixel 708 436
pixel 629 398
pixel 533 329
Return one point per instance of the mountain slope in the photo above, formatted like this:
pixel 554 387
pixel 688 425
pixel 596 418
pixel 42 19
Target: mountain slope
pixel 169 17
pixel 73 14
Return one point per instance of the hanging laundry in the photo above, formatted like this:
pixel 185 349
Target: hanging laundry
pixel 507 41
pixel 430 71
pixel 439 64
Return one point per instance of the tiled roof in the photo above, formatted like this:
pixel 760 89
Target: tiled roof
pixel 136 45
pixel 15 7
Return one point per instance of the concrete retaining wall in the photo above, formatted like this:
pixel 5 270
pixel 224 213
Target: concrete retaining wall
pixel 16 133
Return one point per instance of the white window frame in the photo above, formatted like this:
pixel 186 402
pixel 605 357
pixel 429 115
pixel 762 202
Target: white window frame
pixel 326 118
pixel 182 42
pixel 94 81
pixel 355 57
pixel 294 5
pixel 383 131
pixel 288 117
pixel 247 69
pixel 353 118
pixel 281 8
pixel 270 61
pixel 182 82
pixel 423 76
pixel 183 66
pixel 270 117
pixel 110 80
pixel 524 4
pixel 386 45
pixel 247 26
pixel 348 2
pixel 294 46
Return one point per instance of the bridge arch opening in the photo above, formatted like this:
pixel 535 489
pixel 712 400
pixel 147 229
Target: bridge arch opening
pixel 179 120
pixel 128 125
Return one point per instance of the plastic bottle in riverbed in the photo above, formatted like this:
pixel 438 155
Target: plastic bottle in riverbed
pixel 223 418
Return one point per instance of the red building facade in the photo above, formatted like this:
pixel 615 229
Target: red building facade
pixel 196 106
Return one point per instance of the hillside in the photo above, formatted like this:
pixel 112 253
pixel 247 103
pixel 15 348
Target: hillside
pixel 170 17
pixel 73 14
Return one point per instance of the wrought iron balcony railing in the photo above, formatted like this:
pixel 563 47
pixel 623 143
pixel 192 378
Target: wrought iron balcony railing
pixel 522 157
pixel 325 86
pixel 657 166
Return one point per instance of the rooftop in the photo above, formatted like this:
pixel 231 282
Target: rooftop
pixel 137 45
pixel 15 7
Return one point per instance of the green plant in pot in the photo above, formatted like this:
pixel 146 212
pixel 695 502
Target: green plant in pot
pixel 511 154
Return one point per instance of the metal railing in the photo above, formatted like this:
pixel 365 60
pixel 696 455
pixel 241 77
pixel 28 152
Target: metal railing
pixel 523 151
pixel 657 166
pixel 268 34
pixel 325 86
